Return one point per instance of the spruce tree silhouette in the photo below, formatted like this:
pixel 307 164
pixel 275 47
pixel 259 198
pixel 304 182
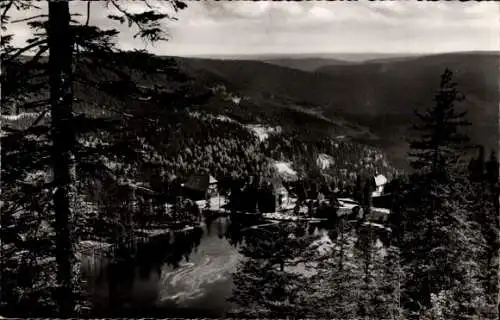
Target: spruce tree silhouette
pixel 442 138
pixel 438 199
pixel 492 169
pixel 65 41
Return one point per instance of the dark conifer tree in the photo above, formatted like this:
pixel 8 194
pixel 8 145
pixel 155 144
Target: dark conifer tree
pixel 442 138
pixel 438 237
pixel 358 189
pixel 367 203
pixel 477 166
pixel 65 41
pixel 338 282
pixel 492 169
pixel 265 284
pixel 484 200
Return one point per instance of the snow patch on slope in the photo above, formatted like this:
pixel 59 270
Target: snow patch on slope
pixel 215 203
pixel 207 116
pixel 324 161
pixel 285 168
pixel 236 100
pixel 43 175
pixel 380 180
pixel 225 119
pixel 263 132
pixel 15 117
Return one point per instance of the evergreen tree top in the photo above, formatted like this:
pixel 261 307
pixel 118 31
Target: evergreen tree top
pixel 442 139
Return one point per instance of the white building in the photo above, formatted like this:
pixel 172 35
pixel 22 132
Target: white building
pixel 380 182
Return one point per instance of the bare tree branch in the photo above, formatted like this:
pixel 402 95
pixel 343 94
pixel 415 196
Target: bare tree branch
pixel 26 5
pixel 148 4
pixel 18 6
pixel 39 118
pixel 37 56
pixel 22 50
pixel 30 18
pixel 128 15
pixel 6 10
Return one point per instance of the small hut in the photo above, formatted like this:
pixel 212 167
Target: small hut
pixel 380 197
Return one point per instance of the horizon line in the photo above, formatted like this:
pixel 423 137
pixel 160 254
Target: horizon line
pixel 341 52
pixel 29 54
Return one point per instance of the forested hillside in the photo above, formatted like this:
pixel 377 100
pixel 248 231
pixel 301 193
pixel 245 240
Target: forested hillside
pixel 168 124
pixel 168 96
pixel 380 96
pixel 361 100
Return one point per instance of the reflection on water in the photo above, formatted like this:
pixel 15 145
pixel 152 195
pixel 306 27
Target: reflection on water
pixel 186 274
pixel 173 273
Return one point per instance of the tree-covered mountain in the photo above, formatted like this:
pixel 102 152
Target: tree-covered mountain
pixel 378 95
pixel 400 86
pixel 171 94
pixel 369 102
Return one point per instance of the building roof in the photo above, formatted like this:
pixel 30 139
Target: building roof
pixel 212 180
pixel 200 182
pixel 380 180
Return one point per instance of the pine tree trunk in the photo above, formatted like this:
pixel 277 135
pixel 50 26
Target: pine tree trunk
pixel 61 96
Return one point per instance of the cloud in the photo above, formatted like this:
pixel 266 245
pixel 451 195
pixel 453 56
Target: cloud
pixel 209 27
pixel 321 13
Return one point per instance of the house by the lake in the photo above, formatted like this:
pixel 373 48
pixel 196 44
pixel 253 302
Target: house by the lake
pixel 200 187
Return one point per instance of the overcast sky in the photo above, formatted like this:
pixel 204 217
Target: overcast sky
pixel 208 27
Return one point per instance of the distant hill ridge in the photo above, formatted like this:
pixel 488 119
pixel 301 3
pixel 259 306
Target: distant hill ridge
pixel 379 94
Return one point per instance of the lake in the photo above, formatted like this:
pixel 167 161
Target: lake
pixel 188 274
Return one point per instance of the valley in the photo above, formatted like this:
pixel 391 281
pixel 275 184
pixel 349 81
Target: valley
pixel 317 129
pixel 249 159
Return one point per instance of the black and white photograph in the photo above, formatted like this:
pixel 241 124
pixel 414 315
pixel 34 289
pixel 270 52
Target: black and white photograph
pixel 250 159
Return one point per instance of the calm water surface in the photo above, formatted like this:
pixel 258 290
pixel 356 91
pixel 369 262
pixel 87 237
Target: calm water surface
pixel 188 274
